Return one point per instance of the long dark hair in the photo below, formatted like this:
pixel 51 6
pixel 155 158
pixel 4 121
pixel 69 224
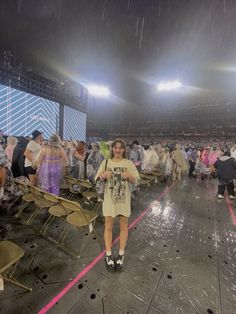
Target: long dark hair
pixel 122 143
pixel 80 148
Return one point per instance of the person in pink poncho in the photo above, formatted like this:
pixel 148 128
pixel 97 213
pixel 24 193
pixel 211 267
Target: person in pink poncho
pixel 213 155
pixel 205 156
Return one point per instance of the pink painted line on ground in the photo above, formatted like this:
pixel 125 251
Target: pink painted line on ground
pixel 72 283
pixel 231 210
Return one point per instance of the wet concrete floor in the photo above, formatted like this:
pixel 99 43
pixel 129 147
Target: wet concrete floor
pixel 180 258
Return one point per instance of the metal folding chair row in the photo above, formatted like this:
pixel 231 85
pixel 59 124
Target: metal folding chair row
pixel 86 192
pixel 146 179
pixel 70 212
pixel 153 176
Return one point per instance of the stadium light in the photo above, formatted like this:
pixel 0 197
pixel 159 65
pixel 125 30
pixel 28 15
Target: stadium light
pixel 98 90
pixel 169 86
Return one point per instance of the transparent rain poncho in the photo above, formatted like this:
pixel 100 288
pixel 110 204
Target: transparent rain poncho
pixel 51 163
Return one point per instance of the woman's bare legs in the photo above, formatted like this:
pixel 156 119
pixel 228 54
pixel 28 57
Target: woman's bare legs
pixel 123 240
pixel 123 232
pixel 110 262
pixel 108 233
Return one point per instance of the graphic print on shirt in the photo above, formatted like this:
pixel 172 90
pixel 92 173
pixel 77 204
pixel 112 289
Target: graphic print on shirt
pixel 118 185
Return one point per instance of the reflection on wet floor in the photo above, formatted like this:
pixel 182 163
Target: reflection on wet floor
pixel 180 258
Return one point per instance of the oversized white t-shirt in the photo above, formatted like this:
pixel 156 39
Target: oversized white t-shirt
pixel 117 194
pixel 35 148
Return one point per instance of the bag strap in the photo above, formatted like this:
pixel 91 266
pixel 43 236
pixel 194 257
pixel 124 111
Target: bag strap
pixel 106 164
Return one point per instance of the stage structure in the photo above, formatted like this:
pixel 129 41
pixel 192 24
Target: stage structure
pixel 27 105
pixel 22 113
pixel 74 124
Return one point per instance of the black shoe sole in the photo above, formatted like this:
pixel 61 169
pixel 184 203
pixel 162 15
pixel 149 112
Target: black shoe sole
pixel 119 269
pixel 110 269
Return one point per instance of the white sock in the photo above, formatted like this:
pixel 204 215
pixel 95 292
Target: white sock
pixel 121 252
pixel 108 253
pixel 1 192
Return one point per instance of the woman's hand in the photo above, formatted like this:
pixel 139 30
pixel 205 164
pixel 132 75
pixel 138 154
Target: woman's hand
pixel 107 174
pixel 128 176
pixel 34 164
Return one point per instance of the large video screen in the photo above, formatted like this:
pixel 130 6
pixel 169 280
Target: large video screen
pixel 74 124
pixel 22 113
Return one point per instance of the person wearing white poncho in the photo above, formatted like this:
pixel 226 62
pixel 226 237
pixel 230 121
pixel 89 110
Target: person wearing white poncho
pixel 150 160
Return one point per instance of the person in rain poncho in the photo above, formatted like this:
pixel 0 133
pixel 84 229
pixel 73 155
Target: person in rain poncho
pixel 179 163
pixel 94 160
pixel 51 164
pixel 150 160
pixel 137 154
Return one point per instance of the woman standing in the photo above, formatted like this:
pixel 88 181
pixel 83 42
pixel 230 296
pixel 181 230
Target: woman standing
pixel 31 153
pixel 18 158
pixel 51 165
pixel 179 163
pixel 94 160
pixel 11 144
pixel 78 168
pixel 120 176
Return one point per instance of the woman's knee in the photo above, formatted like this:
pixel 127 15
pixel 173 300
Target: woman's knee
pixel 108 224
pixel 123 223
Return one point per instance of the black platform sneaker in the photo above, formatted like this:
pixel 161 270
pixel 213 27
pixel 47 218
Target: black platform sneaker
pixel 110 263
pixel 119 262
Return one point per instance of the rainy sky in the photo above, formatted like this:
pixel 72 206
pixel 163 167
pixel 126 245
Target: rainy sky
pixel 129 45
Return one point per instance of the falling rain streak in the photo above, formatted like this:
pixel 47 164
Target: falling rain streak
pixel 19 7
pixel 141 34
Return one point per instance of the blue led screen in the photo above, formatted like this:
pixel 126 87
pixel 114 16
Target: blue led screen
pixel 74 124
pixel 22 113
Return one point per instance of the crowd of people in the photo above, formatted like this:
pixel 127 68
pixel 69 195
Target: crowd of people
pixel 45 162
pixel 114 167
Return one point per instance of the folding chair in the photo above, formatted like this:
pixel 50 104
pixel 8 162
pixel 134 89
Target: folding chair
pixel 146 176
pixel 10 255
pixel 157 173
pixel 85 183
pixel 39 201
pixel 144 183
pixel 79 218
pixel 57 210
pixel 72 192
pixel 27 197
pixel 65 187
pixel 89 195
